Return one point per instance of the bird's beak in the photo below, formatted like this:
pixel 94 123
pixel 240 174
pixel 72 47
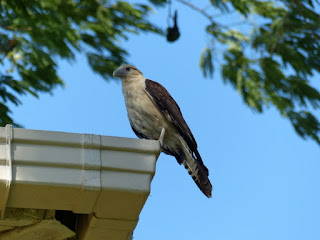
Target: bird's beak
pixel 118 73
pixel 114 74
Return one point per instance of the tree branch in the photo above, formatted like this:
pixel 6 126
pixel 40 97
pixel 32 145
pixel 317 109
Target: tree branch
pixel 16 29
pixel 200 10
pixel 208 16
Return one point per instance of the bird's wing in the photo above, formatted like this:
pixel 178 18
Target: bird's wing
pixel 170 109
pixel 193 162
pixel 168 106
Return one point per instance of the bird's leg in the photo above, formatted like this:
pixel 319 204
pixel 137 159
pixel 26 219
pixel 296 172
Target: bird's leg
pixel 163 131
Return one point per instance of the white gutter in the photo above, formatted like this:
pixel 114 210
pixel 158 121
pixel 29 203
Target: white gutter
pixel 7 163
pixel 106 178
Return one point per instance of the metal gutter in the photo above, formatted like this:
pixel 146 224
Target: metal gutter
pixel 107 179
pixel 7 162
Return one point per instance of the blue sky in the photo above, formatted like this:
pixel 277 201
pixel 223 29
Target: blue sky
pixel 265 178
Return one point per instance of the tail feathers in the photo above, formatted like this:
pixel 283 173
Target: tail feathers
pixel 197 170
pixel 199 175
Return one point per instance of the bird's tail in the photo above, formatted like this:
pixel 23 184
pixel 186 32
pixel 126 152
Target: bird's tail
pixel 197 170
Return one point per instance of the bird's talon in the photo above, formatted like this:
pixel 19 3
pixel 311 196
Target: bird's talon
pixel 163 130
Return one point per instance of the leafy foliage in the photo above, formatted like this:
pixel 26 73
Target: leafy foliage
pixel 206 62
pixel 270 65
pixel 273 65
pixel 35 34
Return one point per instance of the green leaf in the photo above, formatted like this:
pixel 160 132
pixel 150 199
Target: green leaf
pixel 206 64
pixel 305 124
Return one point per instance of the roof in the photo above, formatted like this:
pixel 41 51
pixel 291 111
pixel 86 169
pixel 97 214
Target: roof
pixel 105 180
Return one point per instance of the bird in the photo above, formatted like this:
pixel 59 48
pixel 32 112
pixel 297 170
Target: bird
pixel 153 114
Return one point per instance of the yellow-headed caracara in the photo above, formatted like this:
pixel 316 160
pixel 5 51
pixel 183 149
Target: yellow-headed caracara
pixel 154 114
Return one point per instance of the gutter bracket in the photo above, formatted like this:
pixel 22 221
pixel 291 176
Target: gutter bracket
pixel 6 192
pixel 91 174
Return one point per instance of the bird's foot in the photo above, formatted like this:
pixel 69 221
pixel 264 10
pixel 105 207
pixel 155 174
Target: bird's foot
pixel 163 131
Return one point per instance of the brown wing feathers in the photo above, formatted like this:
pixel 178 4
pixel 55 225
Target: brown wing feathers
pixel 170 108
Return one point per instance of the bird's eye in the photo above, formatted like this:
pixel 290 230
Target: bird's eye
pixel 128 68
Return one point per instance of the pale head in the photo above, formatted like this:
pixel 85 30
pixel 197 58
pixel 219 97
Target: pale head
pixel 126 71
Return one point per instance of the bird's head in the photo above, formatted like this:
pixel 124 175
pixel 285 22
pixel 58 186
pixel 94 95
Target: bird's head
pixel 126 71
